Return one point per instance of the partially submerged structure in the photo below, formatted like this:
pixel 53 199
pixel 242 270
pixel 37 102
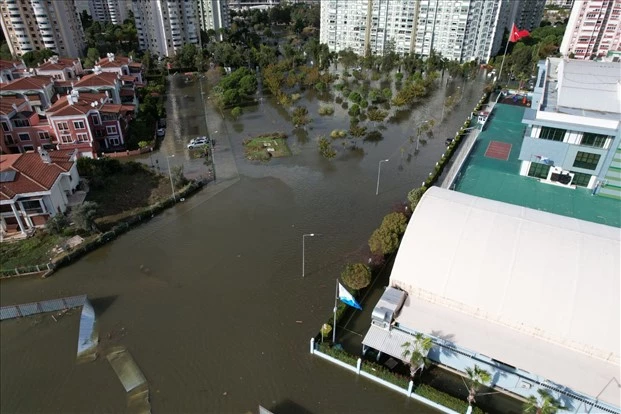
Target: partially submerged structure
pixel 529 296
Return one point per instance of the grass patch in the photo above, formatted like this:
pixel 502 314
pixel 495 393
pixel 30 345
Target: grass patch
pixel 34 250
pixel 126 191
pixel 266 146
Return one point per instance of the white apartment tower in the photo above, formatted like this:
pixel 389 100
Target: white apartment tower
pixel 213 14
pixel 458 29
pixel 164 26
pixel 113 11
pixel 31 25
pixel 593 30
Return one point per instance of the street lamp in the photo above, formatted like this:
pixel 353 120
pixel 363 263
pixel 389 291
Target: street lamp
pixel 379 169
pixel 172 187
pixel 303 238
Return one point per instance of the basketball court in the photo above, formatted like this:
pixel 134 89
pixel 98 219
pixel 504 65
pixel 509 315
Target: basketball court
pixel 498 150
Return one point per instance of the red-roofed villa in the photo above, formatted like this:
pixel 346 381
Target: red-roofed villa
pixel 34 187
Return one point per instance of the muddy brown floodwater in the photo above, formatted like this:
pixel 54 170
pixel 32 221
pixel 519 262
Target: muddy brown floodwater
pixel 209 297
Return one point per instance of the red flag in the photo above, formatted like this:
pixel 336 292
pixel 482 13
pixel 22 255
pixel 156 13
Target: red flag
pixel 168 65
pixel 517 34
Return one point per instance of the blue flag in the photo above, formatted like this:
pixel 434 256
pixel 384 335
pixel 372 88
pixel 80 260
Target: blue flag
pixel 347 298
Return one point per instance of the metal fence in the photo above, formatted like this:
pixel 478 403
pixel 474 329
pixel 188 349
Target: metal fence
pixel 27 309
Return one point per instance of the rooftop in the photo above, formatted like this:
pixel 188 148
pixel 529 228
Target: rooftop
pixel 568 81
pixel 31 173
pixel 98 79
pixel 57 64
pixel 501 180
pixel 506 284
pixel 27 83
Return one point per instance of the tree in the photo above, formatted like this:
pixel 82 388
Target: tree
pixel 5 52
pixel 356 276
pixel 348 58
pixel 545 404
pixel 236 112
pixel 477 378
pixel 395 222
pixel 178 177
pixel 33 58
pixel 383 242
pixel 83 216
pixel 415 353
pixel 57 224
pixel 325 148
pixel 248 85
pixel 299 116
pixel 415 195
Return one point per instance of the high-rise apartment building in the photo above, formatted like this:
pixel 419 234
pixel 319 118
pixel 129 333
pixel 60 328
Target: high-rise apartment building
pixel 463 30
pixel 164 26
pixel 529 13
pixel 213 14
pixel 30 25
pixel 113 11
pixel 594 29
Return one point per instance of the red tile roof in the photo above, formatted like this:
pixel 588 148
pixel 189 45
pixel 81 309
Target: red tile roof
pixel 6 104
pixel 9 64
pixel 101 79
pixel 127 92
pixel 59 65
pixel 81 107
pixel 32 174
pixel 117 62
pixel 30 82
pixel 115 108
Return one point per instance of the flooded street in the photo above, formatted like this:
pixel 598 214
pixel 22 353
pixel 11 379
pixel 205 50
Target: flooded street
pixel 210 293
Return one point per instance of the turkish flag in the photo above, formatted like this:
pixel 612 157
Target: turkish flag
pixel 517 34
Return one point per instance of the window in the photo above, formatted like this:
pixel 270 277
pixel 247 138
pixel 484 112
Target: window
pixel 553 134
pixel 20 123
pixel 32 206
pixel 82 137
pixel 95 119
pixel 538 170
pixel 66 139
pixel 586 160
pixel 78 124
pixel 44 135
pixel 5 126
pixel 111 130
pixel 593 140
pixel 63 126
pixel 24 136
pixel 580 179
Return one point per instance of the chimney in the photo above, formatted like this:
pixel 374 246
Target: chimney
pixel 45 157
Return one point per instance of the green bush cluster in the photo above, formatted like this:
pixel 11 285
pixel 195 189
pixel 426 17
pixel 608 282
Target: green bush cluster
pixel 385 239
pixel 357 275
pixel 325 148
pixel 326 110
pixel 461 406
pixel 384 373
pixel 338 133
pixel 339 354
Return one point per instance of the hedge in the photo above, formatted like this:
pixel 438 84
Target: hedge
pixel 384 373
pixel 444 399
pixel 338 354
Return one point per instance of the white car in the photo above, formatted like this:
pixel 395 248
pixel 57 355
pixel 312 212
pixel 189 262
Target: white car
pixel 198 142
pixel 161 132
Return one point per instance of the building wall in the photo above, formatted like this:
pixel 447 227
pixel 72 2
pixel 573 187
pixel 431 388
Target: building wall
pixel 164 26
pixel 529 14
pixel 594 28
pixel 213 14
pixel 344 24
pixel 113 11
pixel 36 25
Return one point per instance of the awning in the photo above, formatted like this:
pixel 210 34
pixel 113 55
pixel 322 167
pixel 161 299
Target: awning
pixel 388 341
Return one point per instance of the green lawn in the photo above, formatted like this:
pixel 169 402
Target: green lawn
pixel 29 252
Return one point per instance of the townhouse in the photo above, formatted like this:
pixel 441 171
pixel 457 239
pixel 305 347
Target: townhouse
pixel 64 69
pixel 11 70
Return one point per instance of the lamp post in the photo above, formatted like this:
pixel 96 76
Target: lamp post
pixel 303 238
pixel 379 169
pixel 172 187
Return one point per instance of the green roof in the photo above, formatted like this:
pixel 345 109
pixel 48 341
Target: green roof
pixel 501 180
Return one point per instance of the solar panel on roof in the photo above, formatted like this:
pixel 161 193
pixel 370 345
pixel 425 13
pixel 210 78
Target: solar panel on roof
pixel 7 176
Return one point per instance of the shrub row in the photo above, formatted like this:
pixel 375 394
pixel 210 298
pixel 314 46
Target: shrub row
pixel 384 373
pixel 338 354
pixel 444 399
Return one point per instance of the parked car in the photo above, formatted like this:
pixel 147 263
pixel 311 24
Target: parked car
pixel 161 132
pixel 198 142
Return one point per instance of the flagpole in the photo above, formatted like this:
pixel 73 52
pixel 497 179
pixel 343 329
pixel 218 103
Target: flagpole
pixel 505 55
pixel 336 298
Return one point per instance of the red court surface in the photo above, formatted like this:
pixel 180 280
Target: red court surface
pixel 498 150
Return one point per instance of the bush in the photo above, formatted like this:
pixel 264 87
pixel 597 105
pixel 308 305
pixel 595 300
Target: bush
pixel 101 167
pixel 355 97
pixel 461 406
pixel 374 136
pixel 354 110
pixel 295 97
pixel 385 374
pixel 415 195
pixel 356 276
pixel 385 239
pixel 338 133
pixel 398 76
pixel 325 148
pixel 338 354
pixel 338 100
pixel 83 216
pixel 144 144
pixel 326 110
pixel 364 103
pixel 178 177
pixel 57 224
pixel 395 222
pixel 236 112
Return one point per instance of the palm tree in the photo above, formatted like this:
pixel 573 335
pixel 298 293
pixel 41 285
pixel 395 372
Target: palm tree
pixel 545 404
pixel 477 377
pixel 417 356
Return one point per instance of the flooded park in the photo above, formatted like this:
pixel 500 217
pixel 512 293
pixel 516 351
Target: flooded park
pixel 209 296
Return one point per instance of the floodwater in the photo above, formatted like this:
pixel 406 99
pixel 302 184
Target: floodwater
pixel 209 296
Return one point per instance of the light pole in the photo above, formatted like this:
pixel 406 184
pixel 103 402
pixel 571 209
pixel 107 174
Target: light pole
pixel 172 187
pixel 303 238
pixel 379 169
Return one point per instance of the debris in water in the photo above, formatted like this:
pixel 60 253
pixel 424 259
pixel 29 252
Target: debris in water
pixel 299 322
